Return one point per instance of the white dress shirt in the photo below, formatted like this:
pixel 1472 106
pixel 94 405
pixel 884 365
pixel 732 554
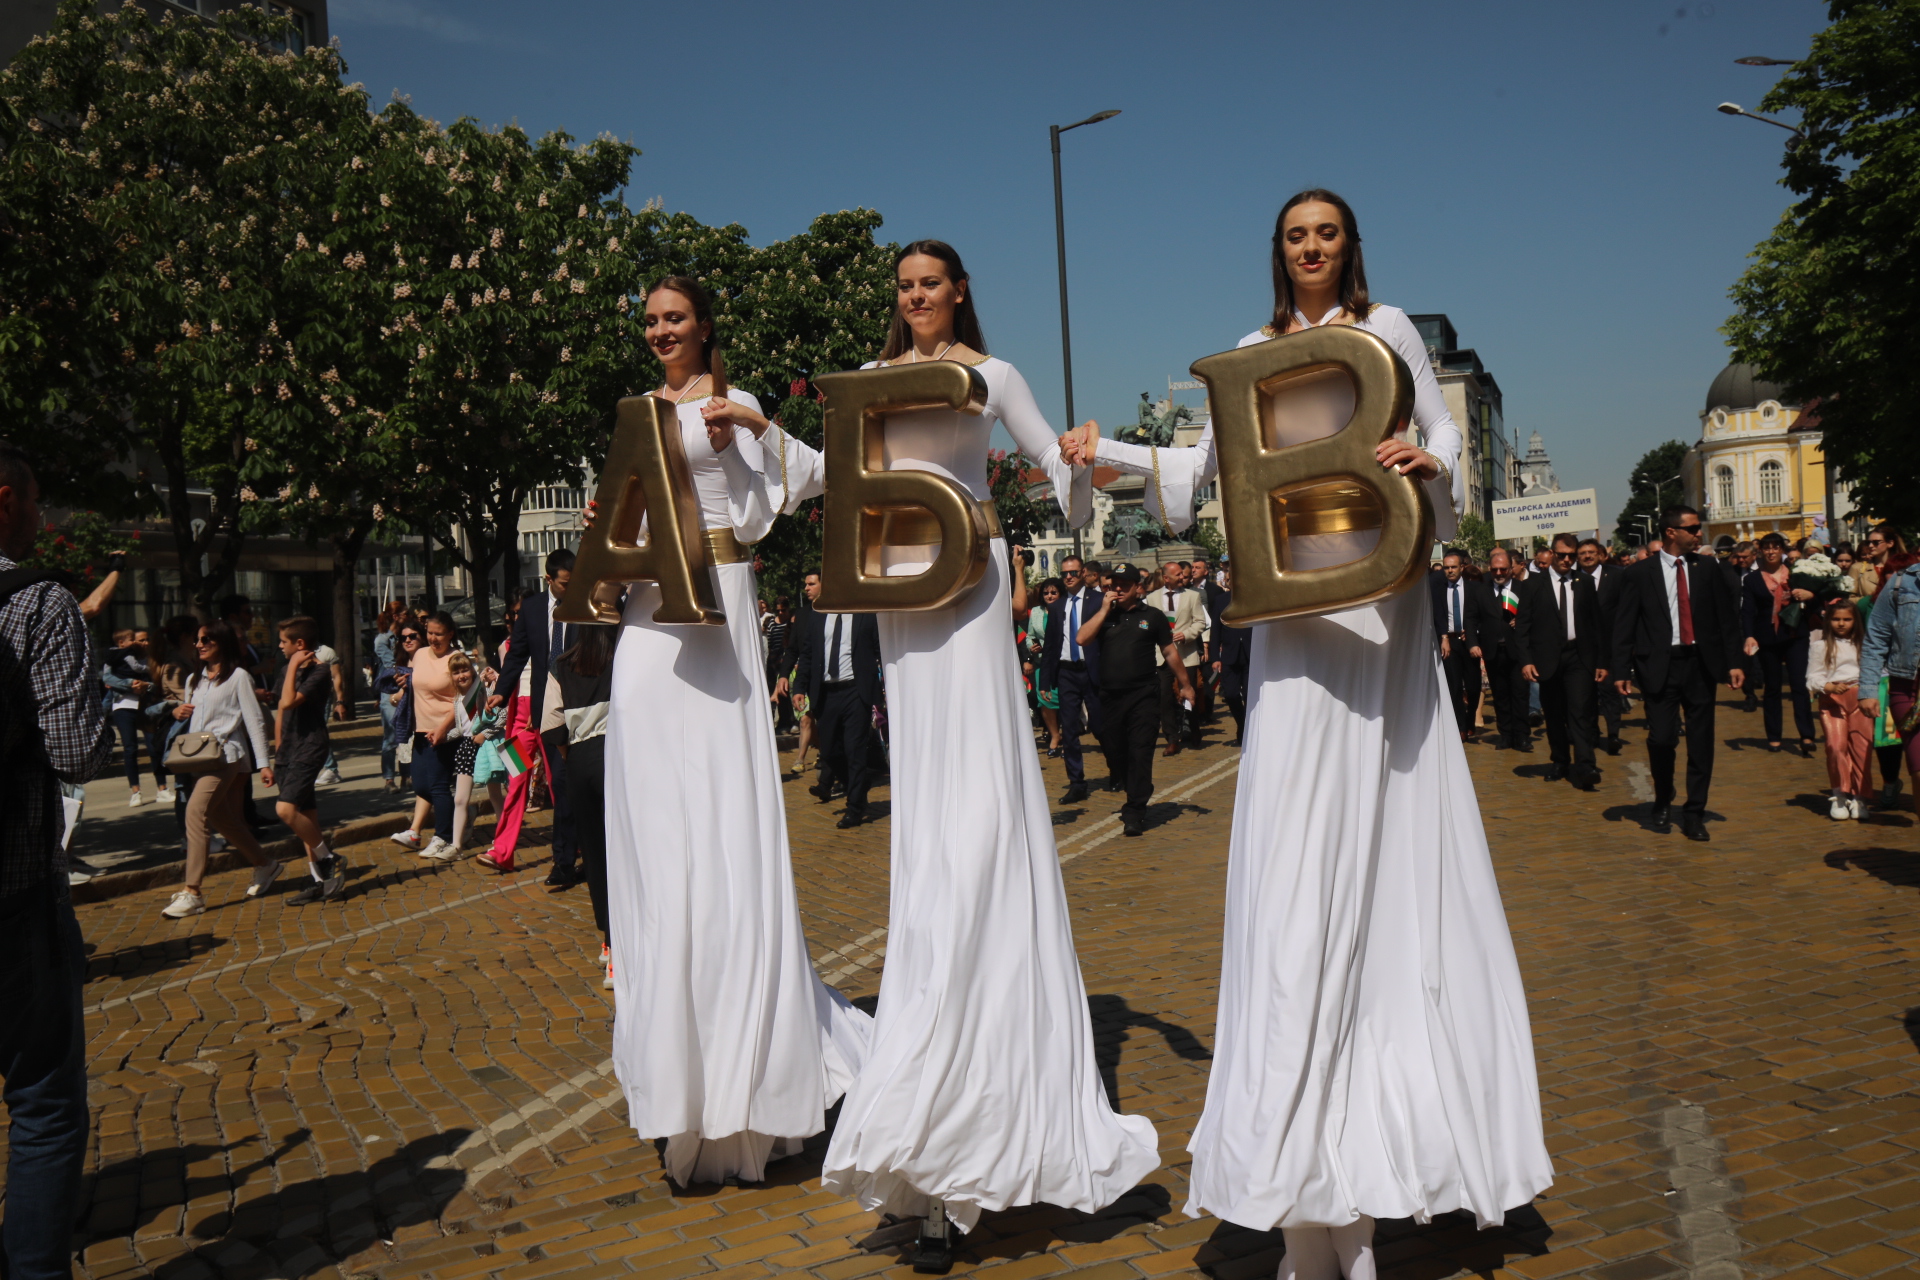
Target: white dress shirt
pixel 230 712
pixel 1455 617
pixel 1668 562
pixel 1563 595
pixel 842 670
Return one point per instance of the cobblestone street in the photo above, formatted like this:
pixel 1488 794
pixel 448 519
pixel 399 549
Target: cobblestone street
pixel 414 1082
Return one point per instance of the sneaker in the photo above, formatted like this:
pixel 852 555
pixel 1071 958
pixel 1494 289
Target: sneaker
pixel 163 796
pixel 1839 810
pixel 335 882
pixel 328 778
pixel 1890 794
pixel 263 876
pixel 390 785
pixel 606 958
pixel 217 844
pixel 1858 807
pixel 77 873
pixel 308 894
pixel 185 903
pixel 438 850
pixel 408 839
pixel 135 800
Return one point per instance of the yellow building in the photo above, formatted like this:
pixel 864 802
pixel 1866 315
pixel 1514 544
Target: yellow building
pixel 1758 467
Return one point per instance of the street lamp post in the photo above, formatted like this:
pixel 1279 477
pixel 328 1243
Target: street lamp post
pixel 1060 237
pixel 1735 109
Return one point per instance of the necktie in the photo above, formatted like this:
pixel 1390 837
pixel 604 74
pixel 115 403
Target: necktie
pixel 1073 627
pixel 833 650
pixel 558 641
pixel 1686 604
pixel 1453 608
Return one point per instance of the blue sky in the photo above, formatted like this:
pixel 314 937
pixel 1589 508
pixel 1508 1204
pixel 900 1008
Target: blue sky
pixel 1552 176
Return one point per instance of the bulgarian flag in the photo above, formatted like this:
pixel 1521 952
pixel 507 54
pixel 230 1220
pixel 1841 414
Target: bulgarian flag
pixel 1509 602
pixel 519 752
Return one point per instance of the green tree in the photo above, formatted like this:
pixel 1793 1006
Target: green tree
pixel 1651 486
pixel 1830 307
pixel 157 178
pixel 1475 537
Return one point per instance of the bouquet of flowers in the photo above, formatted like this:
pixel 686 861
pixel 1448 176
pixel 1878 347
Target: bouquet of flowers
pixel 1813 573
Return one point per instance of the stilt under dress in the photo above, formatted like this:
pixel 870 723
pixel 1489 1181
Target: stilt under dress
pixel 725 1041
pixel 981 1087
pixel 1373 1056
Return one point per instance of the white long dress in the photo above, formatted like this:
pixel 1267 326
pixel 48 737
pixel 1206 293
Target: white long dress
pixel 981 1087
pixel 1373 1056
pixel 724 1039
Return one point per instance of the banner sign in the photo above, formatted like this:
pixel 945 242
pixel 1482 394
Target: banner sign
pixel 1576 510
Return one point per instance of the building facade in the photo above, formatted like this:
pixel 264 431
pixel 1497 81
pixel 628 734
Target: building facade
pixel 1473 398
pixel 1758 466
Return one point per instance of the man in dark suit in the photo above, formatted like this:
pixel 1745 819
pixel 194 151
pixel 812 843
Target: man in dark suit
pixel 533 644
pixel 1606 577
pixel 1450 594
pixel 1493 606
pixel 1074 669
pixel 1232 650
pixel 838 668
pixel 1676 626
pixel 1566 651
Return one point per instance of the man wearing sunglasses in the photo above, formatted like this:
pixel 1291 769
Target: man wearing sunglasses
pixel 1564 645
pixel 1676 628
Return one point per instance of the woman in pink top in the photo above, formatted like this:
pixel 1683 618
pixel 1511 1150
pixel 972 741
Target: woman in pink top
pixel 433 699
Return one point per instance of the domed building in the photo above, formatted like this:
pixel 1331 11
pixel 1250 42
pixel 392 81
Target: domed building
pixel 1758 467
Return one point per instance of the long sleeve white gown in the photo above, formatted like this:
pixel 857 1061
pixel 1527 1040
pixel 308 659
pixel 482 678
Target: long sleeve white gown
pixel 724 1039
pixel 1373 1056
pixel 981 1087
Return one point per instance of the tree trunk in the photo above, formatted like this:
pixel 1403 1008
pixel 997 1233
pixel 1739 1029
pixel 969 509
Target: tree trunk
pixel 346 619
pixel 196 586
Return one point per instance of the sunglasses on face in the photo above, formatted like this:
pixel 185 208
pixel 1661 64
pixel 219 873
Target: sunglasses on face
pixel 411 638
pixel 202 642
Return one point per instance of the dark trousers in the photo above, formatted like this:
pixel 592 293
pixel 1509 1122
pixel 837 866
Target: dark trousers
pixel 1688 693
pixel 42 1057
pixel 1176 722
pixel 843 733
pixel 1613 708
pixel 133 727
pixel 1233 691
pixel 433 780
pixel 1785 665
pixel 1510 695
pixel 565 845
pixel 1079 713
pixel 586 792
pixel 1132 728
pixel 1463 681
pixel 1567 701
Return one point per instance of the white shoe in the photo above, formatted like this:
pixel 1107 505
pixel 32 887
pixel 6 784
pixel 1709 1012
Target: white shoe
pixel 439 850
pixel 185 903
pixel 1858 807
pixel 77 874
pixel 163 796
pixel 135 800
pixel 328 778
pixel 1839 810
pixel 216 844
pixel 408 839
pixel 606 956
pixel 263 876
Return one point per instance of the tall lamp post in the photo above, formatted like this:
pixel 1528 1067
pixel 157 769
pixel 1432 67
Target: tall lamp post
pixel 1735 109
pixel 1060 236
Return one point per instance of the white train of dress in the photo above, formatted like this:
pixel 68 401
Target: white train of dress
pixel 725 1041
pixel 981 1086
pixel 1373 1056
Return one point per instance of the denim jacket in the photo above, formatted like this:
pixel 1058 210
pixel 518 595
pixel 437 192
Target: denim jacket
pixel 1893 632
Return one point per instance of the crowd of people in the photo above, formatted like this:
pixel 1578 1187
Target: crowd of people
pixel 1564 639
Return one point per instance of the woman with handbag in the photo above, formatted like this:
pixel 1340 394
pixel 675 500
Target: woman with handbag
pixel 225 733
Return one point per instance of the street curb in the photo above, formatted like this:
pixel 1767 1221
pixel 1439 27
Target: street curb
pixel 118 884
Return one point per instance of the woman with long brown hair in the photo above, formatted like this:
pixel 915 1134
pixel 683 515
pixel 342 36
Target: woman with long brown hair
pixel 1373 1057
pixel 981 1089
pixel 725 1042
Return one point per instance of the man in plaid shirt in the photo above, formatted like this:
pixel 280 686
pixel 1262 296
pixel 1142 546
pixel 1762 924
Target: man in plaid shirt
pixel 51 730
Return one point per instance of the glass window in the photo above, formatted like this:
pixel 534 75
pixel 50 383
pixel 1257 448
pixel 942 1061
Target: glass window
pixel 1772 476
pixel 1723 486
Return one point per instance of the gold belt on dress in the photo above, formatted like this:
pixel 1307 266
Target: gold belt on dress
pixel 918 527
pixel 723 547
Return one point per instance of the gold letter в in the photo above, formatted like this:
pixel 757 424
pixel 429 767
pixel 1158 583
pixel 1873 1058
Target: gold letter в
pixel 1270 492
pixel 870 508
pixel 646 476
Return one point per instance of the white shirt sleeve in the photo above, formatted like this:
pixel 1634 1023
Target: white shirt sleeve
pixel 1439 433
pixel 1183 473
pixel 256 724
pixel 1033 436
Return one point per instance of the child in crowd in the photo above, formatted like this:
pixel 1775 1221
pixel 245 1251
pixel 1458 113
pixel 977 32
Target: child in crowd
pixel 1833 674
pixel 477 758
pixel 301 752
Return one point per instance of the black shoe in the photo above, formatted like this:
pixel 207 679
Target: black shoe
pixel 1524 745
pixel 563 877
pixel 1660 820
pixel 1585 779
pixel 1613 745
pixel 1074 794
pixel 1751 704
pixel 314 891
pixel 850 819
pixel 1694 827
pixel 1113 784
pixel 820 793
pixel 1554 773
pixel 333 881
pixel 933 1256
pixel 1131 827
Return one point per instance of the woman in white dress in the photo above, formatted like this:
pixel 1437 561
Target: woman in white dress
pixel 1373 1056
pixel 725 1041
pixel 981 1089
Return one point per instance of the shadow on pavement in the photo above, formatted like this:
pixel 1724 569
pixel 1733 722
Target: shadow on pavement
pixel 1895 866
pixel 150 957
pixel 1448 1245
pixel 300 1230
pixel 1113 1019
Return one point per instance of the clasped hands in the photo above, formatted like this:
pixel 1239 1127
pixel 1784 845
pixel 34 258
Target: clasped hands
pixel 1080 445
